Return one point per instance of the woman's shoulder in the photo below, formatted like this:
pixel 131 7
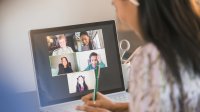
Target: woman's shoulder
pixel 60 65
pixel 148 50
pixel 149 47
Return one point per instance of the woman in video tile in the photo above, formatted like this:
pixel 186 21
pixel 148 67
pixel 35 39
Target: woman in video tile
pixel 81 85
pixel 63 48
pixel 64 66
pixel 87 43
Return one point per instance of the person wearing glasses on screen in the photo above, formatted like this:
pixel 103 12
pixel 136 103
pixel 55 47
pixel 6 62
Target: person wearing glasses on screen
pixel 64 49
pixel 165 71
pixel 87 44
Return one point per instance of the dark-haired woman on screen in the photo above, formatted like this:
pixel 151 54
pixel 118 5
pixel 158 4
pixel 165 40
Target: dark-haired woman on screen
pixel 64 66
pixel 81 84
pixel 87 43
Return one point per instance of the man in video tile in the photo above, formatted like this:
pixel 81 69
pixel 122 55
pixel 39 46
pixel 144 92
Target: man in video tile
pixel 94 61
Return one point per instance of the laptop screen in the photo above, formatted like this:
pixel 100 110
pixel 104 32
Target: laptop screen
pixel 65 60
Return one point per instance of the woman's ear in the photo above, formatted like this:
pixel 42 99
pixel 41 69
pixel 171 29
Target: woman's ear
pixel 196 6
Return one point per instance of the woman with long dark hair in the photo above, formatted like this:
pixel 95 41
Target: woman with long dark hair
pixel 165 71
pixel 64 66
pixel 81 86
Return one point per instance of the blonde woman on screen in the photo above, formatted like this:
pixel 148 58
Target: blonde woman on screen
pixel 64 49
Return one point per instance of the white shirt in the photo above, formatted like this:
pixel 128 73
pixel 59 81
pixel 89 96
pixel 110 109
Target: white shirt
pixel 62 51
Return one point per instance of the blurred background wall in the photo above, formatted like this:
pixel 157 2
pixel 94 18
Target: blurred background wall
pixel 18 17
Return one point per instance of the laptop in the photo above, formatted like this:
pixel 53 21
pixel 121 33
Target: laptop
pixel 65 59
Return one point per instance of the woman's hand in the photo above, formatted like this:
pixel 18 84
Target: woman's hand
pixel 99 58
pixel 101 102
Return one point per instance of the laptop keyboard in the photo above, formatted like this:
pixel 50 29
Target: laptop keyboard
pixel 121 97
pixel 65 107
pixel 70 106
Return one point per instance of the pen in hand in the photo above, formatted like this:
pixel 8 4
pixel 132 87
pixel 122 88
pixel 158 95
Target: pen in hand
pixel 97 74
